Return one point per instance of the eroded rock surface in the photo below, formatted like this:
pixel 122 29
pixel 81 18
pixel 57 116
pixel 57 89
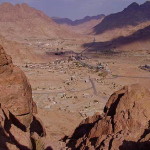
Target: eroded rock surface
pixel 124 125
pixel 19 128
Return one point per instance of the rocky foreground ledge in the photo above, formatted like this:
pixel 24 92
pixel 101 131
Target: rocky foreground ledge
pixel 125 124
pixel 19 128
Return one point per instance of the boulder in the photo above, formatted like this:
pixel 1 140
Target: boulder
pixel 17 108
pixel 124 125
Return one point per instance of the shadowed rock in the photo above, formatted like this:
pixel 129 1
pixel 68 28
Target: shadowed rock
pixel 140 37
pixel 125 124
pixel 133 15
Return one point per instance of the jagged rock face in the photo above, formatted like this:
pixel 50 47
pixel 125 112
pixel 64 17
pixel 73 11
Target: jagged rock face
pixel 125 124
pixel 15 90
pixel 5 62
pixel 16 107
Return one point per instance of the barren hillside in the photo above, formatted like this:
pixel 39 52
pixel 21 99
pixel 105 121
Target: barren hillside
pixel 22 21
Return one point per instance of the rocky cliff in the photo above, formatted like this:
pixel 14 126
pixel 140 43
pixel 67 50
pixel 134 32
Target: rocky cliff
pixel 19 128
pixel 125 124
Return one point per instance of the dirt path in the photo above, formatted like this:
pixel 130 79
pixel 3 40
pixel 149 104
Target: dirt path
pixel 93 86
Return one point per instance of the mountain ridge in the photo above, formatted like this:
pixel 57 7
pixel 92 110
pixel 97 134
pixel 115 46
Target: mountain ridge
pixel 77 21
pixel 133 15
pixel 23 21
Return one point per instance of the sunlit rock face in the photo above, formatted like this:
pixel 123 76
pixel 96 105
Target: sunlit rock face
pixel 16 108
pixel 125 124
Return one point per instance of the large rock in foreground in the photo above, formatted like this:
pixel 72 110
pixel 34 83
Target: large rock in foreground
pixel 125 124
pixel 19 128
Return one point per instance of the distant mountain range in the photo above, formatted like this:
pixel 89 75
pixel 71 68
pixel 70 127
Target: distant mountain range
pixel 77 22
pixel 126 30
pixel 133 15
pixel 130 25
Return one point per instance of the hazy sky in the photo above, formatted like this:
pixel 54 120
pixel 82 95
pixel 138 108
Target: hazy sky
pixel 76 9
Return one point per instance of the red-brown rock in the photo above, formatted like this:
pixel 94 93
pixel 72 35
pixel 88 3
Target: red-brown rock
pixel 16 108
pixel 125 124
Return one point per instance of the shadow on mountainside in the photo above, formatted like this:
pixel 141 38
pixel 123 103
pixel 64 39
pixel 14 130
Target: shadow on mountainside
pixel 129 145
pixel 108 46
pixel 133 15
pixel 82 130
pixel 9 137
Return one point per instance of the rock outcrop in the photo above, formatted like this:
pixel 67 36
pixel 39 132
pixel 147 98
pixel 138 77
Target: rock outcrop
pixel 19 128
pixel 124 125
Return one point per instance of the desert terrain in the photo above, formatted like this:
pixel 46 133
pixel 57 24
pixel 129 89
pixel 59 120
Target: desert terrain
pixel 70 91
pixel 71 76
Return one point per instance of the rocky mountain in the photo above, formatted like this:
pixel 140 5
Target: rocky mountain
pixel 82 26
pixel 123 125
pixel 124 43
pixel 133 15
pixel 24 21
pixel 62 20
pixel 140 38
pixel 77 22
pixel 19 127
pixel 30 32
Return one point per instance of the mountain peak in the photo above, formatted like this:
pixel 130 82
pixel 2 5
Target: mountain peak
pixel 22 20
pixel 6 5
pixel 24 5
pixel 133 15
pixel 10 12
pixel 134 5
pixel 146 4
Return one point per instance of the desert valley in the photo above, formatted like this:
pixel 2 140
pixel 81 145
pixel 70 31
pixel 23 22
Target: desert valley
pixel 74 69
